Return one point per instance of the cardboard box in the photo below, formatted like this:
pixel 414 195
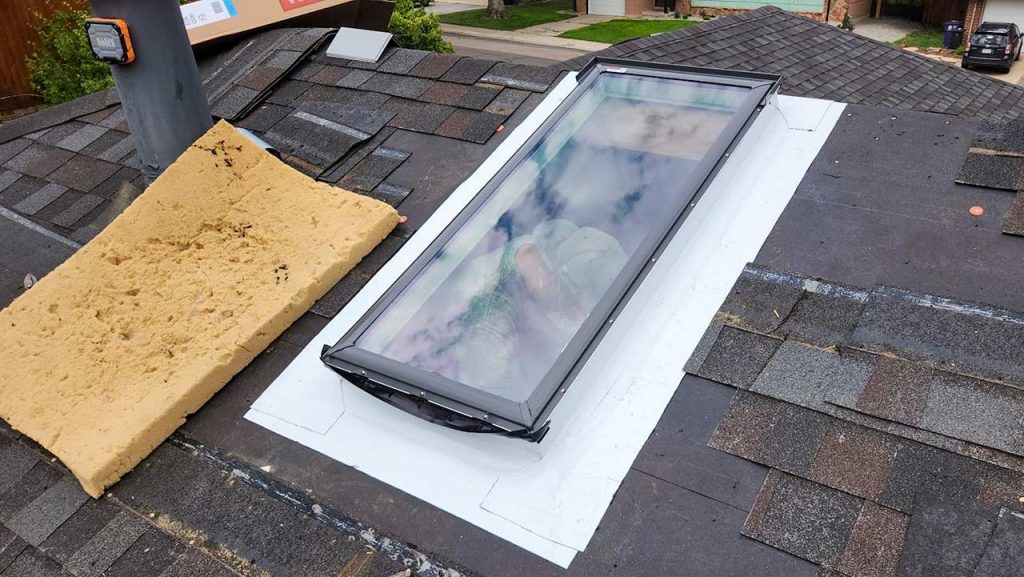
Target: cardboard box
pixel 209 20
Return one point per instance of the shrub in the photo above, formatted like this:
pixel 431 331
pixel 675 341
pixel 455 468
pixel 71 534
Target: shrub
pixel 415 28
pixel 847 23
pixel 62 66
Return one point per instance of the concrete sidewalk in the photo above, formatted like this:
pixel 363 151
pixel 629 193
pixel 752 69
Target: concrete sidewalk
pixel 519 36
pixel 440 8
pixel 560 26
pixel 540 35
pixel 510 51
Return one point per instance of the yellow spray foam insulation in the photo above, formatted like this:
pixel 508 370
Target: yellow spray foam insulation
pixel 107 355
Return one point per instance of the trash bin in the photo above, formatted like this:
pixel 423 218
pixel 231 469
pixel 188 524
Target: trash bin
pixel 953 34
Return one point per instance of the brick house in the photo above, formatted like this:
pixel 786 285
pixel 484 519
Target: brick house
pixel 930 12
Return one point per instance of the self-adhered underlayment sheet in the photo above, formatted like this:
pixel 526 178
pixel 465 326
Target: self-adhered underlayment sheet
pixel 106 355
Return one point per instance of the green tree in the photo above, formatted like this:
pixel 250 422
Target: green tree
pixel 62 66
pixel 413 27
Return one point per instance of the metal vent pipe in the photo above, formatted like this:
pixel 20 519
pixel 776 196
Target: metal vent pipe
pixel 160 91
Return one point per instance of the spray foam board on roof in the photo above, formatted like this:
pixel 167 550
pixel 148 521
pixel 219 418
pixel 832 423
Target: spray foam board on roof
pixel 106 355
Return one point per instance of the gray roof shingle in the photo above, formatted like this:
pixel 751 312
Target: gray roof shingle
pixel 859 398
pixel 929 455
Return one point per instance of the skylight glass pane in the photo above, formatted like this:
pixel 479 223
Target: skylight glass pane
pixel 497 305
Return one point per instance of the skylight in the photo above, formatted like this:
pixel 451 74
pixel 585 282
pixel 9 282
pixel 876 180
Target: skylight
pixel 485 331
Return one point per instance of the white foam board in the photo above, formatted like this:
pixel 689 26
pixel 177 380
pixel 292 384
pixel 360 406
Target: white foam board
pixel 357 44
pixel 548 498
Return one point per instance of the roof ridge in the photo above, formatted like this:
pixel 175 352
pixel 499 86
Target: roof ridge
pixel 866 40
pixel 772 39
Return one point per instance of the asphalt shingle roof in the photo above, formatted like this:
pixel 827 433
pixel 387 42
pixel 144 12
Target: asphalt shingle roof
pixel 822 61
pixel 844 426
pixel 886 462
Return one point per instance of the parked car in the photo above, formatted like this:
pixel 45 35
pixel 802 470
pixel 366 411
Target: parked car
pixel 993 44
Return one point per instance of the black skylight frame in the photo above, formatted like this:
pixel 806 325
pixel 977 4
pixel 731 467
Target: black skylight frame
pixel 460 406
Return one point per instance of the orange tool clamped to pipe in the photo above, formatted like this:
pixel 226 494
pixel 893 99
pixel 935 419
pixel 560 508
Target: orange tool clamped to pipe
pixel 110 40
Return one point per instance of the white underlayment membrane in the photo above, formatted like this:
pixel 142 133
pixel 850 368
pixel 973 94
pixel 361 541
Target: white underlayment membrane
pixel 548 498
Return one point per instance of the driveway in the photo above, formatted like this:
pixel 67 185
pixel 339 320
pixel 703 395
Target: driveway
pixel 1015 76
pixel 885 29
pixel 444 7
pixel 516 46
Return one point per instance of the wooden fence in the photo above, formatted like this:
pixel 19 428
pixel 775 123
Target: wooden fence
pixel 16 40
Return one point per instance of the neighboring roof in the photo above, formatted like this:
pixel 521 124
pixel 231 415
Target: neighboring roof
pixel 822 61
pixel 862 384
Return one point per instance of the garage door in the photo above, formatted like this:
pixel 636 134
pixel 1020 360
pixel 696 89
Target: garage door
pixel 1004 11
pixel 607 7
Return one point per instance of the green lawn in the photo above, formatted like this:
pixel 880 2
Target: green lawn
pixel 519 16
pixel 922 39
pixel 614 31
